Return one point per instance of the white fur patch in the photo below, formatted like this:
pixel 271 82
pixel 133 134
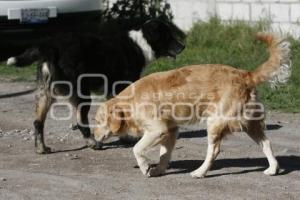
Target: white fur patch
pixel 138 38
pixel 45 69
pixel 11 61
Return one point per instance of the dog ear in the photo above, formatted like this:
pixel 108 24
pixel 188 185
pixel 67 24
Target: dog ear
pixel 115 119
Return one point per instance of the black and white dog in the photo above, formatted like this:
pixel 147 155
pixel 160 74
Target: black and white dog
pixel 67 57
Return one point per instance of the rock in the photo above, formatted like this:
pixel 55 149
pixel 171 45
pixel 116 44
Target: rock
pixel 75 157
pixel 26 138
pixel 183 156
pixel 285 187
pixel 25 131
pixel 9 133
pixel 282 122
pixel 9 146
pixel 73 127
pixel 3 179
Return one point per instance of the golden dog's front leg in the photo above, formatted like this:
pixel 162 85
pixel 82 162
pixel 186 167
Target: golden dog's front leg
pixel 139 150
pixel 167 146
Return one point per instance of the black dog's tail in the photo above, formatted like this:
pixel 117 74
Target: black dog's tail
pixel 27 58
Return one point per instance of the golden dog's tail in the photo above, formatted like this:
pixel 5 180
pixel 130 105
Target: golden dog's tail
pixel 277 69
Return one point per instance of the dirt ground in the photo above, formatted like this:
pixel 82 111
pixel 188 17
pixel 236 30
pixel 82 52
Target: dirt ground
pixel 76 172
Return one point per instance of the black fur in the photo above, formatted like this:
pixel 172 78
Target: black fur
pixel 72 54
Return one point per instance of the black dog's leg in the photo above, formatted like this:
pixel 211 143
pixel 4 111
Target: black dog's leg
pixel 43 104
pixel 82 111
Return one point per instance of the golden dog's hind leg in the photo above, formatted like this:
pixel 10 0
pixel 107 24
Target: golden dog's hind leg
pixel 217 149
pixel 43 104
pixel 167 146
pixel 215 131
pixel 255 131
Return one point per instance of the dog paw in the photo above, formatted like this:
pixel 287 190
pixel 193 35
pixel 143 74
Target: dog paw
pixel 197 174
pixel 271 171
pixel 155 171
pixel 43 150
pixel 93 144
pixel 145 169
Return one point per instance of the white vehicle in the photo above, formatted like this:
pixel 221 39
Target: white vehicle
pixel 44 11
pixel 23 21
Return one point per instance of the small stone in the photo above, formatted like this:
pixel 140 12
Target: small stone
pixel 67 154
pixel 283 122
pixel 73 127
pixel 183 156
pixel 9 146
pixel 25 131
pixel 3 179
pixel 285 187
pixel 25 138
pixel 9 133
pixel 75 157
pixel 62 139
pixel 285 150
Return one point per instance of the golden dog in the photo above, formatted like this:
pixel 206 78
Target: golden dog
pixel 156 105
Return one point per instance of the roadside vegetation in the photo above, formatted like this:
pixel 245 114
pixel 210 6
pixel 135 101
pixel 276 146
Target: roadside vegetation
pixel 9 73
pixel 215 42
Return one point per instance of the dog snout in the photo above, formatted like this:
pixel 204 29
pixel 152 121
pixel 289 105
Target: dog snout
pixel 99 136
pixel 176 48
pixel 179 47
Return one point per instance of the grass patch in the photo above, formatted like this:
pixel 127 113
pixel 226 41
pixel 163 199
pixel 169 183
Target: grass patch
pixel 214 42
pixel 234 44
pixel 17 74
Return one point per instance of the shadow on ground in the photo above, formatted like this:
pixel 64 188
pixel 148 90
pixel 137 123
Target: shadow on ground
pixel 271 127
pixel 287 164
pixel 188 134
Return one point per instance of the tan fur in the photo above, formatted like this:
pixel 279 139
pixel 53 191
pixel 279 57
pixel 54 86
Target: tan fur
pixel 279 60
pixel 198 91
